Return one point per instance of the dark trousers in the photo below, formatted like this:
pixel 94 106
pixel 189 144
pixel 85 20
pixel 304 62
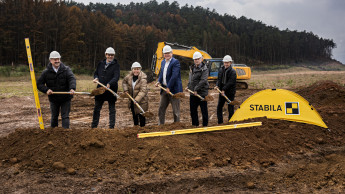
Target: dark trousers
pixel 221 101
pixel 137 117
pixel 97 112
pixel 55 110
pixel 194 102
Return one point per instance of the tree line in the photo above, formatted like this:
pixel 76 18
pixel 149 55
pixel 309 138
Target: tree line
pixel 81 33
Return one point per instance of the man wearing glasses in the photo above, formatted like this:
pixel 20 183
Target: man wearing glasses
pixel 58 77
pixel 107 73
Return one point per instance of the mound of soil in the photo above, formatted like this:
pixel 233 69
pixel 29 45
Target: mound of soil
pixel 277 156
pixel 85 149
pixel 324 93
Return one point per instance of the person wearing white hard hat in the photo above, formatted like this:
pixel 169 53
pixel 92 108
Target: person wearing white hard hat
pixel 107 73
pixel 226 83
pixel 197 82
pixel 169 78
pixel 58 77
pixel 135 84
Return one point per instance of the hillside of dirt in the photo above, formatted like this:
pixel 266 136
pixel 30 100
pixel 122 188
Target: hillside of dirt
pixel 279 156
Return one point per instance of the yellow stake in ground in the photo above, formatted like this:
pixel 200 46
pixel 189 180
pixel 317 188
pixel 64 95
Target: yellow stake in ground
pixel 34 86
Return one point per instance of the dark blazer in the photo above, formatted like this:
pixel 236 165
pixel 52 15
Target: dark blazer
pixel 198 79
pixel 109 75
pixel 61 81
pixel 228 84
pixel 173 76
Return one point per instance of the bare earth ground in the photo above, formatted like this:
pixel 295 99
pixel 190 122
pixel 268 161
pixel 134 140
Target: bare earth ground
pixel 279 156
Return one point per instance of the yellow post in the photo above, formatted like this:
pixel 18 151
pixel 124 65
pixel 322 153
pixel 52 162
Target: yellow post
pixel 34 86
pixel 198 130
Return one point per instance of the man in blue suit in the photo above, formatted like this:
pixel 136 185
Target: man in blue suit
pixel 169 78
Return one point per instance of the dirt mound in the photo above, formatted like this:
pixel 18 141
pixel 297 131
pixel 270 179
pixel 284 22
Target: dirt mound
pixel 86 149
pixel 324 93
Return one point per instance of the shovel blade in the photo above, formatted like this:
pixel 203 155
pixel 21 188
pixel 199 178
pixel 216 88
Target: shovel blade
pixel 147 114
pixel 123 95
pixel 97 91
pixel 179 95
pixel 235 102
pixel 208 98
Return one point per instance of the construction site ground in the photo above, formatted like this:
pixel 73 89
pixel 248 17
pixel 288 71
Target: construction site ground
pixel 279 156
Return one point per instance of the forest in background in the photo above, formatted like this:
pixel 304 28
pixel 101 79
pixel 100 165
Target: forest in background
pixel 81 33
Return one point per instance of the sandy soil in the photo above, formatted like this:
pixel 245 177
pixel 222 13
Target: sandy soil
pixel 279 156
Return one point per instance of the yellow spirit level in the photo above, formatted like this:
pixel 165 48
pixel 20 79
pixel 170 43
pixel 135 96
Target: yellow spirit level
pixel 34 86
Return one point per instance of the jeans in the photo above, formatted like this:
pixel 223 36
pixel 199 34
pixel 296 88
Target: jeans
pixel 97 112
pixel 55 110
pixel 194 103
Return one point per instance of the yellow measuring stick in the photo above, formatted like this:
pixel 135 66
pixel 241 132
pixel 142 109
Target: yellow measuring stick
pixel 198 130
pixel 34 86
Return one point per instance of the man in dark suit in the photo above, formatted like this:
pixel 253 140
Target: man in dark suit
pixel 107 73
pixel 169 78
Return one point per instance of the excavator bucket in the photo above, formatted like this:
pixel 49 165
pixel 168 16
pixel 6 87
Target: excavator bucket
pixel 278 104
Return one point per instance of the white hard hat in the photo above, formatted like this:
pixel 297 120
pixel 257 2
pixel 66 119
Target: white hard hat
pixel 227 58
pixel 167 49
pixel 110 50
pixel 197 55
pixel 54 55
pixel 135 65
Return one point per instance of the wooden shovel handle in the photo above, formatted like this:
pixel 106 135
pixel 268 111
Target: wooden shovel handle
pixel 227 99
pixel 108 89
pixel 196 94
pixel 165 90
pixel 135 102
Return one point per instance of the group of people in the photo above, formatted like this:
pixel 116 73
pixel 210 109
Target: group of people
pixel 59 77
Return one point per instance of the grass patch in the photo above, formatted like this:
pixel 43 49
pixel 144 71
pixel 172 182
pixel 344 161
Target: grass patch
pixel 293 80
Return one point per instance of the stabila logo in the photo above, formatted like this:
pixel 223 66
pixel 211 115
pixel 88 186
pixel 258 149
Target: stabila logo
pixel 265 107
pixel 291 108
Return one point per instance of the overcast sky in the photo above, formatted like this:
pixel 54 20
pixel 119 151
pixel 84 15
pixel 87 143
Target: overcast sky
pixel 325 18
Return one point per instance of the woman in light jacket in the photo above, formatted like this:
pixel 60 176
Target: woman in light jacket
pixel 135 84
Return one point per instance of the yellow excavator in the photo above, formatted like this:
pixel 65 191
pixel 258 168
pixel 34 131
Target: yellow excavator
pixel 243 71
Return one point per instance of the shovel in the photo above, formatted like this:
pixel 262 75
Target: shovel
pixel 177 95
pixel 87 93
pixel 117 96
pixel 207 98
pixel 145 114
pixel 234 102
pixel 97 91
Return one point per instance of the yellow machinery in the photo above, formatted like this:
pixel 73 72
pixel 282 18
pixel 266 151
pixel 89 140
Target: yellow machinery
pixel 213 64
